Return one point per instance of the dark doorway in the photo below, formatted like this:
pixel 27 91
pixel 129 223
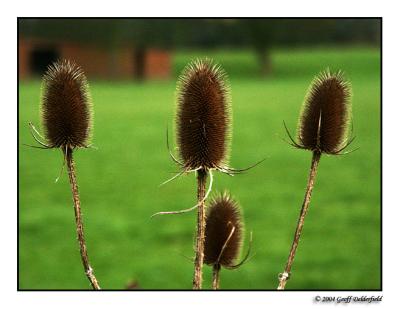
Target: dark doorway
pixel 139 58
pixel 41 58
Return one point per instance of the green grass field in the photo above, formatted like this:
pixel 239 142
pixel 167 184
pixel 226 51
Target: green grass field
pixel 340 245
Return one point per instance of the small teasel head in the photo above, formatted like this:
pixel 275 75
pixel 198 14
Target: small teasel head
pixel 65 106
pixel 224 231
pixel 203 116
pixel 325 116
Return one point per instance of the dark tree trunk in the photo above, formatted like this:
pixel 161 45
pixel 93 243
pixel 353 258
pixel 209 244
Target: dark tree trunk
pixel 264 60
pixel 139 64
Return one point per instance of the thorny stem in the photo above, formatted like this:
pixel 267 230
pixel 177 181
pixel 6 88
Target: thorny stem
pixel 78 219
pixel 283 277
pixel 215 280
pixel 201 222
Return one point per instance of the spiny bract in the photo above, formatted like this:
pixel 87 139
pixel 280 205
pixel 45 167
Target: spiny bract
pixel 66 107
pixel 223 217
pixel 325 115
pixel 203 117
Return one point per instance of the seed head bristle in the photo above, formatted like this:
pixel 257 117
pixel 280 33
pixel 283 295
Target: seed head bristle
pixel 66 107
pixel 323 123
pixel 203 116
pixel 222 216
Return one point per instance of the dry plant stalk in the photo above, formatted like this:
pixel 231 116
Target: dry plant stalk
pixel 283 277
pixel 67 120
pixel 224 234
pixel 322 128
pixel 78 221
pixel 201 217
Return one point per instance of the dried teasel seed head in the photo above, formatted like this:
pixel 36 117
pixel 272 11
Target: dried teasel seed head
pixel 66 108
pixel 223 217
pixel 203 116
pixel 326 113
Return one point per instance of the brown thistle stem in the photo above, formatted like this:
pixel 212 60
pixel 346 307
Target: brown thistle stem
pixel 78 219
pixel 201 224
pixel 283 277
pixel 215 281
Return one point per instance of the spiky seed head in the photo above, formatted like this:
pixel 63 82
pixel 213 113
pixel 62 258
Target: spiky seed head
pixel 325 115
pixel 66 107
pixel 203 116
pixel 223 215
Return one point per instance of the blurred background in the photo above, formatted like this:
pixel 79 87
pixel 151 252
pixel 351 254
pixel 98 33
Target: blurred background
pixel 132 66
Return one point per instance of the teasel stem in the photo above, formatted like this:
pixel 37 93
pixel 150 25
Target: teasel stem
pixel 78 219
pixel 201 226
pixel 215 280
pixel 283 277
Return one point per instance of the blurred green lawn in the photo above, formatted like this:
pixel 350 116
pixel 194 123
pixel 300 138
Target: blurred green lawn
pixel 340 245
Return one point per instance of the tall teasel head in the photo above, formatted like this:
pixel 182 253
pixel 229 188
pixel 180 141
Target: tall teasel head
pixel 224 232
pixel 325 116
pixel 204 116
pixel 66 107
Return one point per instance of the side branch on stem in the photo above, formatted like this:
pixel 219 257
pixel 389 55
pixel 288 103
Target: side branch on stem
pixel 283 277
pixel 215 280
pixel 78 220
pixel 201 222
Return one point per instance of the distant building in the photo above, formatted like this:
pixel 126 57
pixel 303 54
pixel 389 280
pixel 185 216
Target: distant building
pixel 97 62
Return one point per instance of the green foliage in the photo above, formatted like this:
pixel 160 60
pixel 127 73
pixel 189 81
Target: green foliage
pixel 340 245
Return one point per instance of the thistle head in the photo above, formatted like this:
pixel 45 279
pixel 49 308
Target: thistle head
pixel 325 116
pixel 223 234
pixel 66 108
pixel 203 117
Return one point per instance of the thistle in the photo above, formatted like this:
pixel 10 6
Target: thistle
pixel 203 123
pixel 67 121
pixel 224 233
pixel 323 128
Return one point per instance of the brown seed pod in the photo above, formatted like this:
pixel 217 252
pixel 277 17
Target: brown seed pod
pixel 66 107
pixel 224 229
pixel 325 116
pixel 203 117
